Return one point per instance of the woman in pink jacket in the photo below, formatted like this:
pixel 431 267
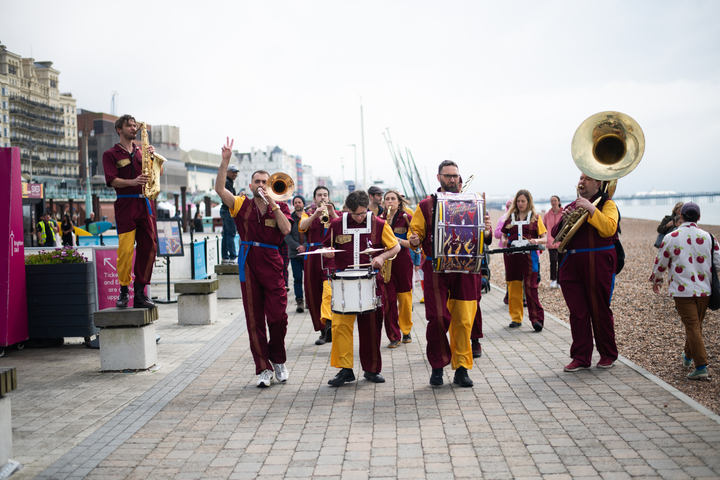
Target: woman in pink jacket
pixel 552 218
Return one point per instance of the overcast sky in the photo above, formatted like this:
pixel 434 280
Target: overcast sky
pixel 499 87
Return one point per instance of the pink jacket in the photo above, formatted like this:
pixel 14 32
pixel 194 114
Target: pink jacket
pixel 550 220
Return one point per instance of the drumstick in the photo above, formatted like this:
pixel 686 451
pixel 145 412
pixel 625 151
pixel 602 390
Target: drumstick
pixel 360 265
pixel 414 249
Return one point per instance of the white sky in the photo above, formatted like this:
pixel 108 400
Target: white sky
pixel 499 87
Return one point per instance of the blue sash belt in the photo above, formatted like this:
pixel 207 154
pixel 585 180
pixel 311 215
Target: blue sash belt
pixel 242 255
pixel 138 195
pixel 581 250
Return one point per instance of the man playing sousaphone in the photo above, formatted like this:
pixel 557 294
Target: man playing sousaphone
pixel 353 233
pixel 587 277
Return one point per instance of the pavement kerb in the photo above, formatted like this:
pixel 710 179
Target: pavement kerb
pixel 665 386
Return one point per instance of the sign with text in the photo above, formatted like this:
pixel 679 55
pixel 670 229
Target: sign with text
pixel 108 284
pixel 199 259
pixel 169 238
pixel 32 190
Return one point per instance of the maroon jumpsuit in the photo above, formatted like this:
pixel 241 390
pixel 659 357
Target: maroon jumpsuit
pixel 401 279
pixel 587 280
pixel 133 213
pixel 263 291
pixel 524 267
pixel 316 270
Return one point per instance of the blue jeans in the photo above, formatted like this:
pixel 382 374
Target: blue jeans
pixel 228 238
pixel 297 269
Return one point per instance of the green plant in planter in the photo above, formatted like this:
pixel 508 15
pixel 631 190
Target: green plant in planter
pixel 59 255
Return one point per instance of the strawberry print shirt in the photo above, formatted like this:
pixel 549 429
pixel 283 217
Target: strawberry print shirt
pixel 685 255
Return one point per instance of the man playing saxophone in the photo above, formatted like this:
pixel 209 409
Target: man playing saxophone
pixel 134 214
pixel 587 276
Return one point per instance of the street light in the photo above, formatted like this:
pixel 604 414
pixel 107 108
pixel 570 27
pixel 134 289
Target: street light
pixel 355 149
pixel 32 146
pixel 88 195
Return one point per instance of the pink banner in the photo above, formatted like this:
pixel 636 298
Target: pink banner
pixel 13 296
pixel 108 284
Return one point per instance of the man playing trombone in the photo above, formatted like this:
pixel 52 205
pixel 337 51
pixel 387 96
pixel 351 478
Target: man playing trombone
pixel 262 225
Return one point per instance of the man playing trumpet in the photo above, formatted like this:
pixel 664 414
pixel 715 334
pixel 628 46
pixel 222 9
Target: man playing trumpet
pixel 262 227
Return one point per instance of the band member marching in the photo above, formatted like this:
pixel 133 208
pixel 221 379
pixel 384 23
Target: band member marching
pixel 450 299
pixel 317 287
pixel 134 214
pixel 262 228
pixel 352 233
pixel 398 277
pixel 523 222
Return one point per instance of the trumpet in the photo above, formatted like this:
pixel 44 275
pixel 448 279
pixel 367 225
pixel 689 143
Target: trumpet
pixel 324 217
pixel 281 187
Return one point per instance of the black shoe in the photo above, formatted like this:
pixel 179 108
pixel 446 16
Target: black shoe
pixel 323 337
pixel 436 379
pixel 328 331
pixel 461 377
pixel 476 348
pixel 505 300
pixel 514 325
pixel 299 302
pixel 373 377
pixel 394 344
pixel 343 376
pixel 538 326
pixel 406 338
pixel 141 300
pixel 124 298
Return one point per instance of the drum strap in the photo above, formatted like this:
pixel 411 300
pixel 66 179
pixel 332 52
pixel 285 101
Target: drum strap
pixel 242 255
pixel 356 232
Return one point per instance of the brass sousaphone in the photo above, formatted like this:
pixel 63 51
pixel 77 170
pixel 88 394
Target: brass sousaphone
pixel 606 146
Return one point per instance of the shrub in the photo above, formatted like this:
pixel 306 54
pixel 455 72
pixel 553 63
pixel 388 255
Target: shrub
pixel 59 255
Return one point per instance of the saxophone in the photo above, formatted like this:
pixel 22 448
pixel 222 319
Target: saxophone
pixel 151 165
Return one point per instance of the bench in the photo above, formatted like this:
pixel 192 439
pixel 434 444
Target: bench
pixel 197 301
pixel 8 383
pixel 127 338
pixel 229 278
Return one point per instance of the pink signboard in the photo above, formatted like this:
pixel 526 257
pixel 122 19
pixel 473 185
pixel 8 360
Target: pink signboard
pixel 108 285
pixel 13 292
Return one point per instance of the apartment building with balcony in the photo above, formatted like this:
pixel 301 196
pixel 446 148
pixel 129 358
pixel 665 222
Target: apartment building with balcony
pixel 38 119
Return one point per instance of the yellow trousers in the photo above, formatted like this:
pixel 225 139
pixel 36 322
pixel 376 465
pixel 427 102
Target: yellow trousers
pixel 462 314
pixel 126 248
pixel 369 330
pixel 405 312
pixel 325 312
pixel 515 300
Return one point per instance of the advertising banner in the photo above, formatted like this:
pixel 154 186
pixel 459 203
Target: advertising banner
pixel 169 238
pixel 199 258
pixel 32 190
pixel 13 291
pixel 108 284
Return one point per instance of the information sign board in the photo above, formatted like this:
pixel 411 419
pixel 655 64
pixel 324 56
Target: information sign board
pixel 169 238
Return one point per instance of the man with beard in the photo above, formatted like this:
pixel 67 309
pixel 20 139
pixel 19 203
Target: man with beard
pixel 134 216
pixel 262 229
pixel 450 299
pixel 587 276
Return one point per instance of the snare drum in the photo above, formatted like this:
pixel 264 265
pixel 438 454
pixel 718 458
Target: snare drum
pixel 353 292
pixel 459 229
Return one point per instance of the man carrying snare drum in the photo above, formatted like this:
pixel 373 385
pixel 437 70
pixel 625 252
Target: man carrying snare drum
pixel 352 233
pixel 450 298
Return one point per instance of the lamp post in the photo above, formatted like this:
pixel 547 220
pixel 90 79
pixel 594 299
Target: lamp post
pixel 355 150
pixel 32 146
pixel 88 193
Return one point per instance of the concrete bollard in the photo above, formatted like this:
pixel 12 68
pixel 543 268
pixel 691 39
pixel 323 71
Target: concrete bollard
pixel 197 302
pixel 8 383
pixel 229 279
pixel 127 338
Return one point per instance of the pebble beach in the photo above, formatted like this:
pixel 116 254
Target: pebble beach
pixel 648 329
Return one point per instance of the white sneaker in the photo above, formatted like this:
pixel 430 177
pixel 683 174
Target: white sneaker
pixel 281 371
pixel 553 284
pixel 266 378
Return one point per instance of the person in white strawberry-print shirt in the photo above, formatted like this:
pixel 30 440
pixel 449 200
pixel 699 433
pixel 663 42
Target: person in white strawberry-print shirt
pixel 687 254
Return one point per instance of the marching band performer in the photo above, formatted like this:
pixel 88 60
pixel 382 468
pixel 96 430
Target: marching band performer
pixel 354 232
pixel 133 213
pixel 523 267
pixel 399 280
pixel 317 287
pixel 262 229
pixel 450 300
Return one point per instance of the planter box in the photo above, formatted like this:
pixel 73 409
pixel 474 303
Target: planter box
pixel 61 300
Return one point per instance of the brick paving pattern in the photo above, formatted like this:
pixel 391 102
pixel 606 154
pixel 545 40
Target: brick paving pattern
pixel 201 415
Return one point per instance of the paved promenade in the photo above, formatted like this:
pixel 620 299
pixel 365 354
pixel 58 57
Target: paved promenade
pixel 200 415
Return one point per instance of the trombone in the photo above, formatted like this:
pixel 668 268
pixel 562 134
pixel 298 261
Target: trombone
pixel 280 187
